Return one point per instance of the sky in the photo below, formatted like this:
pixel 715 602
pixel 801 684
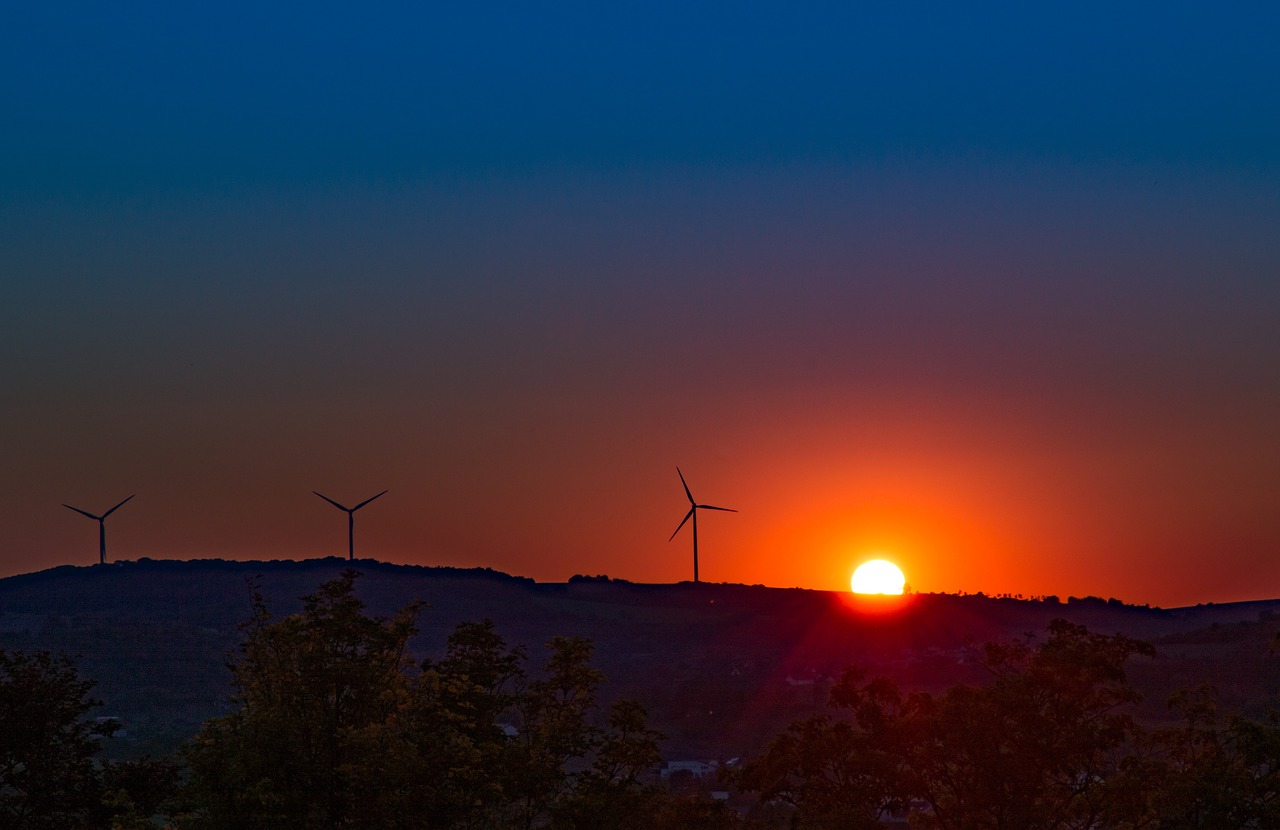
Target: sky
pixel 988 290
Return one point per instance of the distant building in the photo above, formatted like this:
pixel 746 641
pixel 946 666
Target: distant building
pixel 695 768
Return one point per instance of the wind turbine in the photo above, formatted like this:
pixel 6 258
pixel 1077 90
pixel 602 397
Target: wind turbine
pixel 102 527
pixel 694 507
pixel 351 519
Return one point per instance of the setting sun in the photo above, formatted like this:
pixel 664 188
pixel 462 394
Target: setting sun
pixel 878 576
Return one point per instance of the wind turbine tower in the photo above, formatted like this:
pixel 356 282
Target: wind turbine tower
pixel 351 519
pixel 102 527
pixel 694 507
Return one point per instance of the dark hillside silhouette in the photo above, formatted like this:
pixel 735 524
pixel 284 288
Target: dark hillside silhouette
pixel 719 667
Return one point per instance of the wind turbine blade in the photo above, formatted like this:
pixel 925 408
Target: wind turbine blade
pixel 686 486
pixel 366 501
pixel 725 509
pixel 84 512
pixel 117 507
pixel 331 501
pixel 682 521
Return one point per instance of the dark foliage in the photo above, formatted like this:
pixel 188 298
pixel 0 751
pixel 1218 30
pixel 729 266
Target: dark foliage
pixel 1048 743
pixel 334 729
pixel 47 743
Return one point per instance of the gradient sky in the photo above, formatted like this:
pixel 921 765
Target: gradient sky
pixel 992 291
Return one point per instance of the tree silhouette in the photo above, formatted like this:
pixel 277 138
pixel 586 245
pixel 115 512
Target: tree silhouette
pixel 47 775
pixel 312 689
pixel 334 728
pixel 1043 745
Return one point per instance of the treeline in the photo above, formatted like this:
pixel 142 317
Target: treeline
pixel 334 726
pixel 1048 742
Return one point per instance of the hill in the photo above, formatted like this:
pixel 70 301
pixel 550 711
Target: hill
pixel 720 667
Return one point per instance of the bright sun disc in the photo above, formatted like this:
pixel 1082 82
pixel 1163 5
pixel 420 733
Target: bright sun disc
pixel 878 577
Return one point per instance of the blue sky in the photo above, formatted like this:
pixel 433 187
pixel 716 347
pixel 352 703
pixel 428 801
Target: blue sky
pixel 236 95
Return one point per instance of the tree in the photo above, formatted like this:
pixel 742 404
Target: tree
pixel 1257 745
pixel 335 728
pixel 133 792
pixel 554 727
pixel 1046 744
pixel 1040 746
pixel 1212 772
pixel 609 795
pixel 47 774
pixel 450 745
pixel 693 814
pixel 838 771
pixel 314 690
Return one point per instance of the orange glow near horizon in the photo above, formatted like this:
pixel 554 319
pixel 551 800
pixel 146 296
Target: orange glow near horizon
pixel 945 537
pixel 958 509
